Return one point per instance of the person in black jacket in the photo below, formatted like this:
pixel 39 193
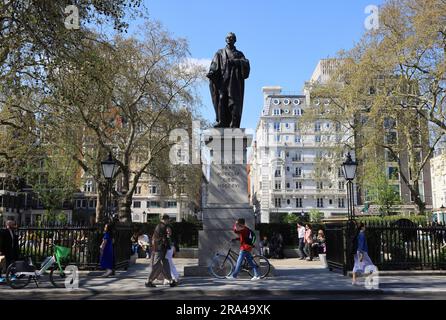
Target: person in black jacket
pixel 9 243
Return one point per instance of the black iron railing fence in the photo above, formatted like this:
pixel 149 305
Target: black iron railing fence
pixel 84 241
pixel 392 246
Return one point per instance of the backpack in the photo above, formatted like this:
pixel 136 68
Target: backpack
pixel 251 239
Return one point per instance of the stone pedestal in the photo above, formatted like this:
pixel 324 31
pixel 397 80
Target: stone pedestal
pixel 226 195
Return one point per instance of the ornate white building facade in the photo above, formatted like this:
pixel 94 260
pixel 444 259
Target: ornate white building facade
pixel 295 164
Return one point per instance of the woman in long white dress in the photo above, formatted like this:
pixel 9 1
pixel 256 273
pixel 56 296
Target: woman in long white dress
pixel 169 255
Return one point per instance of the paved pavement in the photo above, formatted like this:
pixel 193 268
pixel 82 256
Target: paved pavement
pixel 294 279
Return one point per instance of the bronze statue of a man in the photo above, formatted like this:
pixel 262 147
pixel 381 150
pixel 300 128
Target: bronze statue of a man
pixel 227 75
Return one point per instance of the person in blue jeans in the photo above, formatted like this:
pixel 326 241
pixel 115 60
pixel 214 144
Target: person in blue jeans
pixel 245 250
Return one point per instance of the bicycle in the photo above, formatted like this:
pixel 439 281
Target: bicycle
pixel 222 265
pixel 20 273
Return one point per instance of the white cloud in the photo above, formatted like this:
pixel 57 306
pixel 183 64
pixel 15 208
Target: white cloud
pixel 189 63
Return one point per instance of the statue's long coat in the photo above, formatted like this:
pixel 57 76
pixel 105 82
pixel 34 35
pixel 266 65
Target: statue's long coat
pixel 227 85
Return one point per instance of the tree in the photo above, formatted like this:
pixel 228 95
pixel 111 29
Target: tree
pixel 363 92
pixel 316 216
pixel 126 101
pixel 33 41
pixel 379 189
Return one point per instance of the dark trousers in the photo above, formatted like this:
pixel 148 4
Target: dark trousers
pixel 7 262
pixel 309 250
pixel 159 265
pixel 301 248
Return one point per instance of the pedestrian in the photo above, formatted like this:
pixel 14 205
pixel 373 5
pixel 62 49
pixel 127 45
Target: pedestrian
pixel 106 250
pixel 169 255
pixel 144 243
pixel 264 247
pixel 308 242
pixel 319 243
pixel 246 245
pixel 360 250
pixel 9 245
pixel 301 240
pixel 160 264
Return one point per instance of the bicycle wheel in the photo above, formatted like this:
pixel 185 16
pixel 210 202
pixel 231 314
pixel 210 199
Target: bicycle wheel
pixel 15 279
pixel 263 266
pixel 221 268
pixel 58 277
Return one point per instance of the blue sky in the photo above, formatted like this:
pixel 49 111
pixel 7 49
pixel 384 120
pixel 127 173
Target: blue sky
pixel 283 39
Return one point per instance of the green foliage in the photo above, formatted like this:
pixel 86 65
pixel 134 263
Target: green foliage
pixel 291 218
pixel 418 219
pixel 379 190
pixel 316 216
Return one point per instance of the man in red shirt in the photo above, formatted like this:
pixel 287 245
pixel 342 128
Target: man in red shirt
pixel 245 250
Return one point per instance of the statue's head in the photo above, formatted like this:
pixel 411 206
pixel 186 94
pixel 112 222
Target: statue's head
pixel 231 38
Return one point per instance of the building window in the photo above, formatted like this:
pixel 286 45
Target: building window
pixel 277 138
pixel 78 203
pixel 320 202
pixel 88 186
pixel 340 173
pixel 288 185
pixel 317 127
pixel 391 137
pixel 92 203
pixel 277 126
pixel 389 123
pixel 317 138
pixel 84 204
pixel 288 201
pixel 298 172
pixel 298 185
pixel 338 127
pixel 171 204
pixel 153 204
pixel 319 185
pixel 277 202
pixel 278 173
pixel 341 203
pixel 299 203
pixel 153 189
pixel 277 185
pixel 297 157
pixel 138 190
pixel 390 157
pixel 393 173
pixel 297 112
pixel 276 112
pixel 136 204
pixel 341 185
pixel 297 139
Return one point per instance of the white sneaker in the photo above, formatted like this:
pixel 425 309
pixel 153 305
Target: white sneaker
pixel 255 278
pixel 231 277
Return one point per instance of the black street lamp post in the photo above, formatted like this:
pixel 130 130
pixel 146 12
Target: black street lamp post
pixel 349 169
pixel 440 215
pixel 109 168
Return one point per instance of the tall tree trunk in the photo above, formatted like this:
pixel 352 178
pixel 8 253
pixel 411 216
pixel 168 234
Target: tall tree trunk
pixel 101 202
pixel 125 202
